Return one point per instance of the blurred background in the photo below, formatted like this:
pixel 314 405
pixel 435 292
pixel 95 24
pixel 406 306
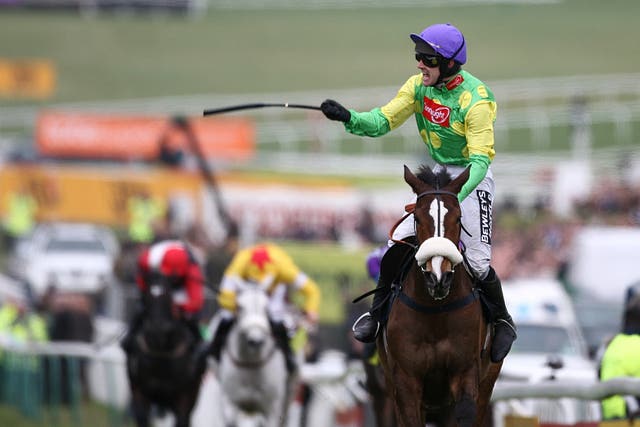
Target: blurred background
pixel 90 94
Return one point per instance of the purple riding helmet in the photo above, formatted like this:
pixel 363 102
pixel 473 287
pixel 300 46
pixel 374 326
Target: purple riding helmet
pixel 445 39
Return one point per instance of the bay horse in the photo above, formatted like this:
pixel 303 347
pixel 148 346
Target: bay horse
pixel 163 368
pixel 435 348
pixel 256 389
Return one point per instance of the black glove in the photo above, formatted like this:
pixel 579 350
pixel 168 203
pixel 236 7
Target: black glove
pixel 335 111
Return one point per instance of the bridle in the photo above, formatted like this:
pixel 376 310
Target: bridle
pixel 410 210
pixel 454 305
pixel 156 292
pixel 264 359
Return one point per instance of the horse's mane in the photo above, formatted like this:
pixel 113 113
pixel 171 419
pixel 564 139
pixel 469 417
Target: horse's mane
pixel 439 180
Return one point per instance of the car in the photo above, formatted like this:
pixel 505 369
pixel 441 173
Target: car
pixel 550 347
pixel 72 257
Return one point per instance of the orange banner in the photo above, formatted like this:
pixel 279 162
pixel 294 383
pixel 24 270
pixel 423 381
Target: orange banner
pixel 98 195
pixel 82 135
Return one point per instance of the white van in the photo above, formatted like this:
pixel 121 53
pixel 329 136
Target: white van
pixel 604 262
pixel 545 318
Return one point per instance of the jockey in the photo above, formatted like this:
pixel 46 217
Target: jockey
pixel 455 113
pixel 172 260
pixel 268 266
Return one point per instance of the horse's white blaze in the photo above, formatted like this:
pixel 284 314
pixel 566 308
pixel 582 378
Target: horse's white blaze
pixel 156 290
pixel 436 266
pixel 438 212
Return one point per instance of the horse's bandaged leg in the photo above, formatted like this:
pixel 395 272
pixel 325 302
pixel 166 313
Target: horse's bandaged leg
pixel 466 411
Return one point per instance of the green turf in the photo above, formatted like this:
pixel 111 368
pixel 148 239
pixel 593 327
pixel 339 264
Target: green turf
pixel 88 414
pixel 127 56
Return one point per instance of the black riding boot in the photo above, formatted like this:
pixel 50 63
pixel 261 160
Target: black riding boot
pixel 220 337
pixel 194 328
pixel 282 340
pixel 134 326
pixel 366 328
pixel 504 328
pixel 201 348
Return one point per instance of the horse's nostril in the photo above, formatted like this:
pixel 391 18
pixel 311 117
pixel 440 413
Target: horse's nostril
pixel 447 278
pixel 254 342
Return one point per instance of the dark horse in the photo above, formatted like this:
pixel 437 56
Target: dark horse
pixel 162 367
pixel 435 347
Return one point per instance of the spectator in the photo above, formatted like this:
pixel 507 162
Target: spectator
pixel 20 217
pixel 621 360
pixel 146 218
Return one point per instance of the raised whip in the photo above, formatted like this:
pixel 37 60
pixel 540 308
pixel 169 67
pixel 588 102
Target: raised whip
pixel 213 111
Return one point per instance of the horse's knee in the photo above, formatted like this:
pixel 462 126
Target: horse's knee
pixel 466 411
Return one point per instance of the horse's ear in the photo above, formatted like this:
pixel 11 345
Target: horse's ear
pixel 456 185
pixel 412 180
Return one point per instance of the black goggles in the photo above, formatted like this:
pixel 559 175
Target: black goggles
pixel 428 60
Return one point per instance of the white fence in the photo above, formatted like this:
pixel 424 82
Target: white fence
pixel 305 142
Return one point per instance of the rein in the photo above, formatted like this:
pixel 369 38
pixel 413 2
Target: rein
pixel 452 306
pixel 437 193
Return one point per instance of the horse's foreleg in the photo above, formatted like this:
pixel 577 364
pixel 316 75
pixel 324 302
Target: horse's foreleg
pixel 408 402
pixel 140 407
pixel 465 411
pixel 484 395
pixel 465 392
pixel 183 420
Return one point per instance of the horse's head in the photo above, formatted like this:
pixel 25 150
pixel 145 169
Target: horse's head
pixel 252 320
pixel 160 320
pixel 437 218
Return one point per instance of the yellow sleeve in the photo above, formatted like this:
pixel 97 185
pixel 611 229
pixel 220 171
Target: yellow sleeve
pixel 311 292
pixel 238 264
pixel 227 299
pixel 479 129
pixel 287 270
pixel 291 275
pixel 403 105
pixel 234 273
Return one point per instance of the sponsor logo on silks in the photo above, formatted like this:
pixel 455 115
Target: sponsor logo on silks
pixel 454 82
pixel 436 113
pixel 484 201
